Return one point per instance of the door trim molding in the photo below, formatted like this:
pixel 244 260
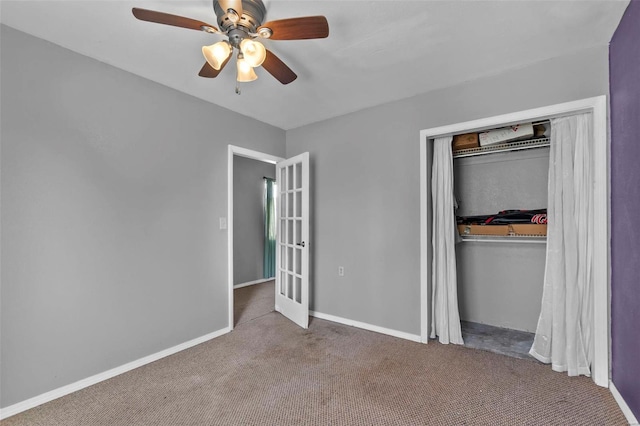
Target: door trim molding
pixel 597 106
pixel 254 155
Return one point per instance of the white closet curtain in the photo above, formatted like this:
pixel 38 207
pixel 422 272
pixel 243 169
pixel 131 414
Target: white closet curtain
pixel 445 318
pixel 565 327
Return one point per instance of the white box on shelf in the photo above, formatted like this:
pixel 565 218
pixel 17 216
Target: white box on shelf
pixel 506 134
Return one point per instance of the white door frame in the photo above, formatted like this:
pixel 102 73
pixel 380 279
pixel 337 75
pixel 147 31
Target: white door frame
pixel 601 247
pixel 255 155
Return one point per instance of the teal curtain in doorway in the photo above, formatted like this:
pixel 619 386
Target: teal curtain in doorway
pixel 269 264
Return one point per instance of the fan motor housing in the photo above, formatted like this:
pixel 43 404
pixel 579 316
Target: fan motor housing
pixel 253 12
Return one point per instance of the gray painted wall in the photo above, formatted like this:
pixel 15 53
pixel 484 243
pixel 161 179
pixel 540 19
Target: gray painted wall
pixel 112 187
pixel 248 217
pixel 489 183
pixel 501 284
pixel 365 182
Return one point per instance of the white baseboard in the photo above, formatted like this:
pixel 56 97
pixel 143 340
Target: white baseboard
pixel 81 384
pixel 623 405
pixel 365 326
pixel 253 282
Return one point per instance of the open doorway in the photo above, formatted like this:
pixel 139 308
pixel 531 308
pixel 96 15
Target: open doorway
pixel 253 249
pixel 254 235
pixel 251 275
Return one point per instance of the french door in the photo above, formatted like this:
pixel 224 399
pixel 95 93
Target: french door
pixel 292 254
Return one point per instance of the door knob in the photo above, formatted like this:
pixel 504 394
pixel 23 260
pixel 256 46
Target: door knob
pixel 300 244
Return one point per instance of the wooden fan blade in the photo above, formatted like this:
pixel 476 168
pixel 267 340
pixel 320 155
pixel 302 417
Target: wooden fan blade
pixel 208 71
pixel 231 4
pixel 168 19
pixel 298 28
pixel 278 69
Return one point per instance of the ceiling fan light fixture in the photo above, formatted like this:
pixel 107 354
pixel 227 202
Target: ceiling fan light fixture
pixel 253 51
pixel 245 71
pixel 217 53
pixel 242 24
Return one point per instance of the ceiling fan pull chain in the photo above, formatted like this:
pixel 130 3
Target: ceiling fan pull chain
pixel 238 92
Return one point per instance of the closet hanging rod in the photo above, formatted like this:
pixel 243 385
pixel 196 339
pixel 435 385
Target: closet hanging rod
pixel 506 239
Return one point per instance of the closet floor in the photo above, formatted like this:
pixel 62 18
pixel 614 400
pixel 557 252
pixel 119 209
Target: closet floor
pixel 502 341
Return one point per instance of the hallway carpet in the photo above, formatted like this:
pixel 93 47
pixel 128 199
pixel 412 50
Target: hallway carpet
pixel 253 301
pixel 268 371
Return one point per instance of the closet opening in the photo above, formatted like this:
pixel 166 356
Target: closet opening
pixel 500 189
pixel 500 274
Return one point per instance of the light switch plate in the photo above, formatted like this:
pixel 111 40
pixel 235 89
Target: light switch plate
pixel 223 223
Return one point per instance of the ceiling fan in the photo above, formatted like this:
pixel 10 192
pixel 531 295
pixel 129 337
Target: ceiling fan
pixel 241 22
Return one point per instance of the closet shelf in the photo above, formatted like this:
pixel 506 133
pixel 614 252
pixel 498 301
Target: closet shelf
pixel 528 239
pixel 511 146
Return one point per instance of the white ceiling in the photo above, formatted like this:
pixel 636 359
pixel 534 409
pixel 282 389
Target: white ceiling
pixel 377 51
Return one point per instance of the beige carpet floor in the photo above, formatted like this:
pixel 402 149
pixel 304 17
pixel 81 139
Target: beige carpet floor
pixel 253 301
pixel 268 371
